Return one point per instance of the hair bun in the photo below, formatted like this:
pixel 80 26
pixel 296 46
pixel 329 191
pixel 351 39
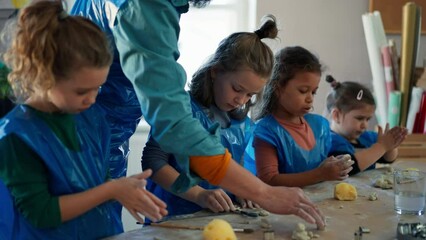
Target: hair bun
pixel 330 79
pixel 268 27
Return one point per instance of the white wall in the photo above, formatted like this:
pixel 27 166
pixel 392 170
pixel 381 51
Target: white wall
pixel 333 30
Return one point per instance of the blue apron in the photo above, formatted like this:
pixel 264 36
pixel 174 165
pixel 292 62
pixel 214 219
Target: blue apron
pixel 234 138
pixel 69 172
pixel 291 157
pixel 342 145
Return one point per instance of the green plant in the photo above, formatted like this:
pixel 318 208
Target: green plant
pixel 5 89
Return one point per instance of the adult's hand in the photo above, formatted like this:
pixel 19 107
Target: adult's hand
pixel 285 200
pixel 278 200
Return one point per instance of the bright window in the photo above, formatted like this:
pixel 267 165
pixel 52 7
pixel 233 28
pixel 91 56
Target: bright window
pixel 203 28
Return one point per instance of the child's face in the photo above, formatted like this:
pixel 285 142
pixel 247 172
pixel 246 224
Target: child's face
pixel 231 90
pixel 296 98
pixel 353 123
pixel 79 92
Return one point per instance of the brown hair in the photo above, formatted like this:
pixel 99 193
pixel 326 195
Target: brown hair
pixel 288 62
pixel 348 96
pixel 241 50
pixel 47 45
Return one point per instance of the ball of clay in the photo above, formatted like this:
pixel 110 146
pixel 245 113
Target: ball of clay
pixel 345 192
pixel 218 229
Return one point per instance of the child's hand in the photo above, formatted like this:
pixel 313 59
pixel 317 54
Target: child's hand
pixel 391 138
pixel 131 193
pixel 245 203
pixel 336 169
pixel 216 200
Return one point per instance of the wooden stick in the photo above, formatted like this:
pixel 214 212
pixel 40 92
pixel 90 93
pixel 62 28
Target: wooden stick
pixel 170 225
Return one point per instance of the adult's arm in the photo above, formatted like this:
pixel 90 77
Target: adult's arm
pixel 146 34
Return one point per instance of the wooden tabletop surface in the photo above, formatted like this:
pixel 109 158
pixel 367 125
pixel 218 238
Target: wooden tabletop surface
pixel 343 217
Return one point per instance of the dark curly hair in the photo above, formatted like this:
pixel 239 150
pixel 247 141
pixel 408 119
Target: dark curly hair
pixel 288 62
pixel 348 96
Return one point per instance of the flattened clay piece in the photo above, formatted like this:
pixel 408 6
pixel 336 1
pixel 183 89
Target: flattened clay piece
pixel 384 182
pixel 345 192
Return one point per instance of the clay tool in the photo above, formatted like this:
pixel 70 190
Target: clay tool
pixel 190 227
pixel 246 213
pixel 208 214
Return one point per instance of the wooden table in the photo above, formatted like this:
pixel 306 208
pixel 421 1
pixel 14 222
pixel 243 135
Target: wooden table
pixel 343 217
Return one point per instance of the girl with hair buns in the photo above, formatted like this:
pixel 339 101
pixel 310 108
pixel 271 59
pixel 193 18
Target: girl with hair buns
pixel 221 94
pixel 54 171
pixel 351 106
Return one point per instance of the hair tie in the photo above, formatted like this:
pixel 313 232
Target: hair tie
pixel 330 79
pixel 359 95
pixel 259 33
pixel 264 30
pixel 62 15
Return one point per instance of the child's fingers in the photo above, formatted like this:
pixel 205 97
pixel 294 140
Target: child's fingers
pixel 155 199
pixel 135 215
pixel 147 207
pixel 380 130
pixel 143 175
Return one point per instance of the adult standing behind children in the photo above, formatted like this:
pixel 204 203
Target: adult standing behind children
pixel 55 143
pixel 221 93
pixel 351 106
pixel 290 144
pixel 117 97
pixel 148 54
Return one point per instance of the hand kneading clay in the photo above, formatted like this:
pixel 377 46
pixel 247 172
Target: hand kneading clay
pixel 345 192
pixel 219 229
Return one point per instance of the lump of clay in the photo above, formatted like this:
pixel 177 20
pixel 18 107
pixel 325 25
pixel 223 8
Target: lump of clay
pixel 384 182
pixel 345 192
pixel 218 229
pixel 300 233
pixel 372 196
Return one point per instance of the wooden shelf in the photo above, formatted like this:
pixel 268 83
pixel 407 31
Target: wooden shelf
pixel 414 146
pixel 391 12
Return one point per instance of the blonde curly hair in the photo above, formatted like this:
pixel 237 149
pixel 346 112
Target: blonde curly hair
pixel 47 46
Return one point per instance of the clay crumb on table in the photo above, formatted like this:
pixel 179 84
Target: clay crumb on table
pixel 300 233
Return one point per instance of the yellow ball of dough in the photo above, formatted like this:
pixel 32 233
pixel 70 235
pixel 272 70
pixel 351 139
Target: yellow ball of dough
pixel 345 192
pixel 218 229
